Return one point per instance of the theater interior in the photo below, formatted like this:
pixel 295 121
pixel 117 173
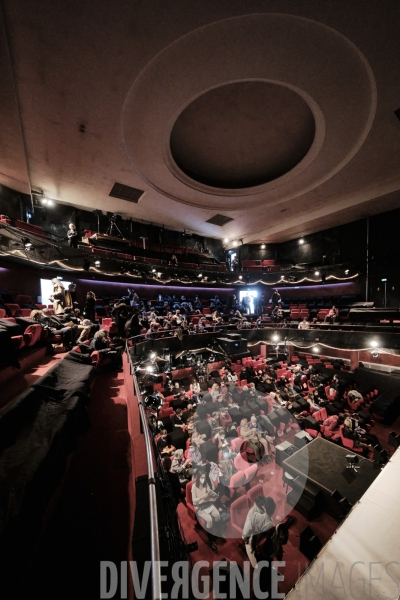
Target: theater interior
pixel 199 294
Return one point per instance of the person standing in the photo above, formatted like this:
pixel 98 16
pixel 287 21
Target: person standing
pixel 70 296
pixel 72 236
pixel 58 296
pixel 90 304
pixel 258 520
pixel 276 298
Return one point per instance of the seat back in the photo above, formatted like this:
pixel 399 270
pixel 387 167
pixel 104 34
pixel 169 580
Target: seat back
pixel 238 511
pixel 253 493
pixel 237 480
pixel 240 463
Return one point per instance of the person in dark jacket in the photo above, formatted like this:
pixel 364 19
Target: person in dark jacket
pixel 89 310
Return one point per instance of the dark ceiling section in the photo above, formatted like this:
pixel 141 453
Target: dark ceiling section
pixel 125 192
pixel 242 135
pixel 219 220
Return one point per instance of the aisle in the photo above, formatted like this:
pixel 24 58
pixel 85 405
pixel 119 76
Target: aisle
pixel 88 519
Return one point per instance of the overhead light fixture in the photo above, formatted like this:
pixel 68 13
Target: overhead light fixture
pixel 262 246
pixel 96 263
pixel 226 240
pixel 27 243
pixel 316 273
pixel 301 241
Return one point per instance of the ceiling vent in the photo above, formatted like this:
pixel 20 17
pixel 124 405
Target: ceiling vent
pixel 125 192
pixel 219 220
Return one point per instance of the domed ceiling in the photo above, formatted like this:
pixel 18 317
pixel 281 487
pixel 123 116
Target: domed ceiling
pixel 279 116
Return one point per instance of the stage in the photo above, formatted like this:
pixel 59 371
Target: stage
pixel 321 466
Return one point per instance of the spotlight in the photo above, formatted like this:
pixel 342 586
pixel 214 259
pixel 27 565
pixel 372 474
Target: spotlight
pixel 352 460
pixel 315 349
pixel 86 264
pixel 301 241
pixel 346 272
pixel 27 243
pixel 316 273
pixel 262 246
pixel 97 263
pixel 275 337
pixel 374 344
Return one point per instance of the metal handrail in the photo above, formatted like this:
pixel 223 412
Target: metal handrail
pixel 154 540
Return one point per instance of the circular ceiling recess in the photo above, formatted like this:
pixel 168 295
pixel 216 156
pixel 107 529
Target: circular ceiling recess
pixel 242 135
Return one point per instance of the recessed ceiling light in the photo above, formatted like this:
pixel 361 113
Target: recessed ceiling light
pixel 226 240
pixel 235 243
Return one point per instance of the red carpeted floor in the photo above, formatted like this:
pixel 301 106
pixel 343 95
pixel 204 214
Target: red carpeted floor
pixel 271 478
pixel 88 518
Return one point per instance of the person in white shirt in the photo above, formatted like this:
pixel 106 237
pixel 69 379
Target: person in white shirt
pixel 304 324
pixel 258 520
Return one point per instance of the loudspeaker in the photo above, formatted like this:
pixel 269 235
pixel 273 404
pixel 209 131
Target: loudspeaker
pixel 310 544
pixel 234 336
pixel 233 346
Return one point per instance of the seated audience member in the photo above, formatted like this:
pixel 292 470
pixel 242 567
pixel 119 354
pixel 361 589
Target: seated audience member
pixel 163 444
pixel 194 455
pixel 173 479
pixel 69 332
pixel 304 324
pixel 332 315
pixel 101 341
pixel 177 420
pixel 182 467
pixel 252 438
pixel 204 499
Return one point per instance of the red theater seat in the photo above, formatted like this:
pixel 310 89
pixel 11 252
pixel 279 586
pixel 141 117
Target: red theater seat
pixel 14 308
pixel 32 334
pixel 238 510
